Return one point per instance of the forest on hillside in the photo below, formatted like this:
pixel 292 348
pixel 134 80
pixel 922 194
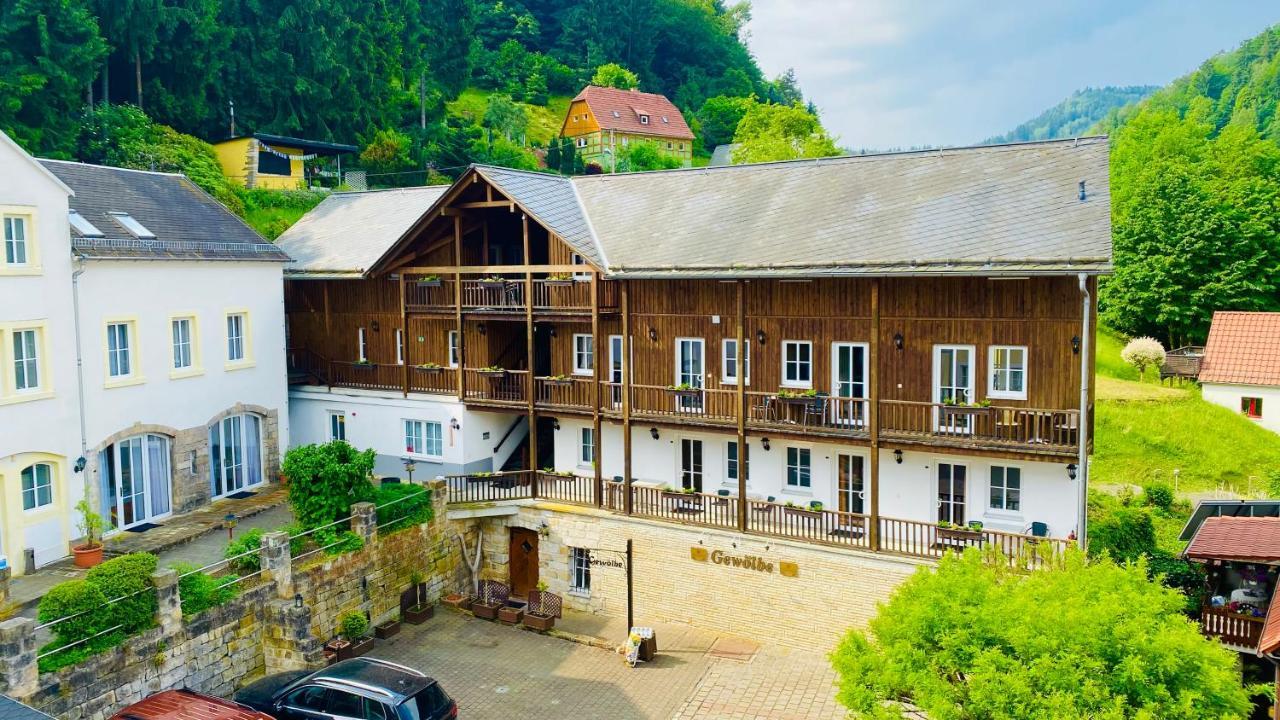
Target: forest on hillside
pixel 1074 116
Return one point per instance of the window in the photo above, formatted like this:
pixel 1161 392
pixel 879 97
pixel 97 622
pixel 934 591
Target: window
pixel 1008 375
pixel 582 142
pixel 131 224
pixel 583 354
pixel 183 357
pixel 587 447
pixel 271 164
pixel 362 348
pixel 732 464
pixel 15 240
pixel 311 697
pixel 691 464
pixel 337 426
pixel 26 360
pixel 235 337
pixel 136 480
pixel 644 119
pixel 580 564
pixel 729 362
pixel 576 259
pixel 235 453
pixel 399 347
pixel 670 146
pixel 453 348
pixel 82 225
pixel 1006 488
pixel 423 438
pixel 1251 407
pixel 797 363
pixel 119 362
pixel 37 486
pixel 798 467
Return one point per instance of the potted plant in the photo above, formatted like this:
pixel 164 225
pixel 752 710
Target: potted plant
pixel 387 629
pixel 812 512
pixel 354 643
pixel 429 281
pixel 493 595
pixel 88 553
pixel 414 604
pixel 953 534
pixel 492 371
pixel 560 279
pixel 685 390
pixel 428 367
pixel 511 613
pixel 785 394
pixel 362 364
pixel 460 601
pixel 543 609
pixel 493 282
pixel 560 380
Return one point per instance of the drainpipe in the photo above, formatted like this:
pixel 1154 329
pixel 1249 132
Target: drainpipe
pixel 75 315
pixel 1086 336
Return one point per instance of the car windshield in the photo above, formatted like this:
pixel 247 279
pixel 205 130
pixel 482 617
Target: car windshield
pixel 428 704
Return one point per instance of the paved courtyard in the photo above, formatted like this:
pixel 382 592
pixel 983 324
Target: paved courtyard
pixel 494 671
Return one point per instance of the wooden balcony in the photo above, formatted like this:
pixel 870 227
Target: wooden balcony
pixel 967 426
pixel 1240 631
pixel 500 387
pixel 506 295
pixel 366 376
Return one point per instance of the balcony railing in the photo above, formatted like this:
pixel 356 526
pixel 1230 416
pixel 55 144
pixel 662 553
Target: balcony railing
pixel 368 376
pixel 703 404
pixel 995 425
pixel 813 525
pixel 425 294
pixel 436 380
pixel 499 386
pixel 575 393
pixel 1231 628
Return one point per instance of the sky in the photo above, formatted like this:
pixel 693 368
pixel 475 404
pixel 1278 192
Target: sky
pixel 900 73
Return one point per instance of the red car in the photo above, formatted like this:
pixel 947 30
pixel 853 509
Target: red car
pixel 187 705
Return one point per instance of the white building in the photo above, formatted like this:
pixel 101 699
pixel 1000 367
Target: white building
pixel 1241 367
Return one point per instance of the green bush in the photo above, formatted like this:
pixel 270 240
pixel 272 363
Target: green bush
pixel 325 480
pixel 127 581
pixel 250 540
pixel 353 626
pixel 1179 574
pixel 337 542
pixel 1125 533
pixel 1158 495
pixel 412 507
pixel 68 599
pixel 201 591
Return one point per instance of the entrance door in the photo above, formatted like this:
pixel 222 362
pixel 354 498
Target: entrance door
pixel 615 371
pixel 953 386
pixel 951 495
pixel 691 463
pixel 690 372
pixel 848 380
pixel 523 562
pixel 235 454
pixel 136 480
pixel 850 484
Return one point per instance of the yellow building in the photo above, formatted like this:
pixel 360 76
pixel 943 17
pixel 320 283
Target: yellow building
pixel 273 162
pixel 602 120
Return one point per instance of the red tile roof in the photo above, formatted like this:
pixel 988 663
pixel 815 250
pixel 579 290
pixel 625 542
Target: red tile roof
pixel 1270 639
pixel 1248 539
pixel 620 110
pixel 1243 347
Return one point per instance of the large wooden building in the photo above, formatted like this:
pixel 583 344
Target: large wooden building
pixel 879 349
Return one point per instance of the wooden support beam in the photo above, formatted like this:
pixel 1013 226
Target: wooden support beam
pixel 404 335
pixel 485 204
pixel 740 375
pixel 530 384
pixel 626 396
pixel 491 269
pixel 457 313
pixel 873 414
pixel 597 441
pixel 328 335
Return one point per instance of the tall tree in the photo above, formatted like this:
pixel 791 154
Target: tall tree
pixel 770 132
pixel 615 76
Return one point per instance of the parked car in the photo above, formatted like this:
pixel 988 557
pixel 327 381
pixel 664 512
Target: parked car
pixel 361 688
pixel 187 705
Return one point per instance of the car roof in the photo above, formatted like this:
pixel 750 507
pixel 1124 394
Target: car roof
pixel 373 678
pixel 187 705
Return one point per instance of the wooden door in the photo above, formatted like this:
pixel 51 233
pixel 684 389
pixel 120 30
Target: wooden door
pixel 523 562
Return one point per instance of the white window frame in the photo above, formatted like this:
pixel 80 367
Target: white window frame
pixel 582 141
pixel 399 346
pixel 807 364
pixel 184 348
pixel 414 437
pixel 453 349
pixel 580 571
pixel 584 358
pixel 362 346
pixel 233 434
pixel 644 119
pixel 236 324
pixel 800 452
pixel 433 439
pixel 34 491
pixel 26 355
pixel 1008 372
pixel 337 425
pixel 586 447
pixel 732 464
pixel 576 259
pixel 991 488
pixel 12 244
pixel 122 353
pixel 729 366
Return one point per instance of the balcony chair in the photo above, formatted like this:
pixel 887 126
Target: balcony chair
pixel 764 410
pixel 722 497
pixel 1037 530
pixel 816 409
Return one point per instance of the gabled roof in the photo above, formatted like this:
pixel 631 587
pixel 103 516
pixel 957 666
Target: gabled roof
pixel 44 171
pixel 188 224
pixel 319 147
pixel 348 232
pixel 552 201
pixel 1245 539
pixel 1244 348
pixel 620 110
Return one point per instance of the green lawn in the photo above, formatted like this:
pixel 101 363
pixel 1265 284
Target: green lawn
pixel 544 121
pixel 271 212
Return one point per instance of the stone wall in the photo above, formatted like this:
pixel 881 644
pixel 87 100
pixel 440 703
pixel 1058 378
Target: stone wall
pixel 776 591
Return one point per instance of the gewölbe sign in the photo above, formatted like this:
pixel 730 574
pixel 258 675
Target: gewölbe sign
pixel 744 562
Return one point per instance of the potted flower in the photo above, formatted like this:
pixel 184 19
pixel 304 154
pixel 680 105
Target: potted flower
pixel 953 534
pixel 559 279
pixel 493 282
pixel 543 609
pixel 415 606
pixel 511 613
pixel 685 390
pixel 88 553
pixel 814 510
pixel 387 629
pixel 429 281
pixel 351 641
pixel 492 371
pixel 428 367
pixel 560 380
pixel 785 394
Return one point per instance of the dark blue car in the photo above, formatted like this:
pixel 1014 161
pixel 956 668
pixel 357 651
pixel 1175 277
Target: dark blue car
pixel 358 689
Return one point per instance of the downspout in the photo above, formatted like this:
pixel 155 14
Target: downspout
pixel 75 316
pixel 1083 461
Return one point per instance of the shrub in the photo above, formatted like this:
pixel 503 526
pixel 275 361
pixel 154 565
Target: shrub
pixel 127 581
pixel 353 626
pixel 1125 533
pixel 1179 574
pixel 1158 495
pixel 66 600
pixel 201 591
pixel 1142 353
pixel 1273 483
pixel 412 506
pixel 324 481
pixel 250 540
pixel 338 543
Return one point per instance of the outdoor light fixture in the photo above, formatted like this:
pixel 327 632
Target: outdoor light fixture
pixel 1071 471
pixel 480 328
pixel 553 331
pixel 555 424
pixel 375 326
pixel 897 340
pixel 760 336
pixel 453 423
pixel 653 432
pixel 1075 344
pixel 79 466
pixel 544 529
pixel 229 521
pixel 297 600
pixel 897 456
pixel 653 334
pixel 764 443
pixel 409 467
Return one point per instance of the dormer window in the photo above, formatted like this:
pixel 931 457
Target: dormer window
pixel 664 118
pixel 83 226
pixel 617 114
pixel 644 119
pixel 134 227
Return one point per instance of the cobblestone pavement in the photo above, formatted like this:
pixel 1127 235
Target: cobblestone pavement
pixel 495 671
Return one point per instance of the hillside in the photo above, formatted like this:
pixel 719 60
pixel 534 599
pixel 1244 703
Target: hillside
pixel 544 120
pixel 1074 116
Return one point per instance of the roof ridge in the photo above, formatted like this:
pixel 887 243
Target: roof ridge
pixel 114 167
pixel 369 191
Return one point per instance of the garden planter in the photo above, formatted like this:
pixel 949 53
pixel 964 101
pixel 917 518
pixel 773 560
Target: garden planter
pixel 687 393
pixel 561 382
pixel 804 512
pixel 388 629
pixel 361 366
pixel 418 614
pixel 486 611
pixel 462 602
pixel 493 284
pixel 537 621
pixel 510 614
pixel 428 283
pixel 356 649
pixel 330 657
pixel 559 283
pixel 493 374
pixel 87 557
pixel 428 370
pixel 338 647
pixel 686 500
pixel 413 595
pixel 959 536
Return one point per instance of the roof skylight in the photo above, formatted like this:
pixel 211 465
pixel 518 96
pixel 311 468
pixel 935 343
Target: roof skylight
pixel 82 225
pixel 134 227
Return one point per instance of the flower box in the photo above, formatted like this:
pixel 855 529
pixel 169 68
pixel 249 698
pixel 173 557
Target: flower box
pixel 387 629
pixel 558 282
pixel 330 656
pixel 538 621
pixel 493 284
pixel 485 611
pixel 428 370
pixel 958 536
pixel 429 283
pixel 686 392
pixel 803 512
pixel 361 366
pixel 511 614
pixel 357 648
pixel 560 381
pixel 462 602
pixel 677 496
pixel 418 614
pixel 494 374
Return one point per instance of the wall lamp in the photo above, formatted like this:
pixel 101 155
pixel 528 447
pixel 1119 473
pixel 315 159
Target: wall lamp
pixel 297 600
pixel 555 423
pixel 897 341
pixel 1072 471
pixel 653 334
pixel 1075 344
pixel 480 328
pixel 453 423
pixel 760 336
pixel 653 433
pixel 79 466
pixel 375 326
pixel 764 443
pixel 552 332
pixel 897 456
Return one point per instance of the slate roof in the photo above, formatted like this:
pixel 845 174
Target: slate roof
pixel 1247 539
pixel 187 222
pixel 11 709
pixel 348 232
pixel 553 202
pixel 723 155
pixel 620 110
pixel 1243 348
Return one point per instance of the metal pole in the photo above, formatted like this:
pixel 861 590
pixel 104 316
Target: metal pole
pixel 631 621
pixel 1083 434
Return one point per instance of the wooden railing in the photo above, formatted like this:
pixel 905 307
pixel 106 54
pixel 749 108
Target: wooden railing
pixel 488 487
pixel 701 404
pixel 442 380
pixel 564 295
pixel 505 295
pixel 369 376
pixel 924 539
pixel 567 488
pixel 422 295
pixel 995 424
pixel 1231 628
pixel 573 392
pixel 842 414
pixel 307 362
pixel 508 386
pixel 821 526
pixel 699 508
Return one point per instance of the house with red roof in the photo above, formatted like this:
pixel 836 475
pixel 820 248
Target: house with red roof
pixel 603 120
pixel 1241 367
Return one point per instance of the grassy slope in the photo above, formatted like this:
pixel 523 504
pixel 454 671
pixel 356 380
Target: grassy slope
pixel 544 121
pixel 1145 431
